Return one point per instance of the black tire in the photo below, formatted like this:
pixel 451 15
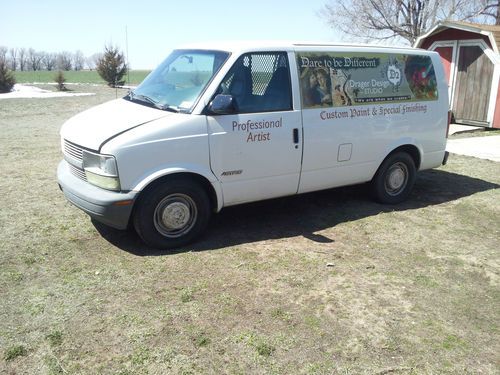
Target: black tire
pixel 394 179
pixel 172 214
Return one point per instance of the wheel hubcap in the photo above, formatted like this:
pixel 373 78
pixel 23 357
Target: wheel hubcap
pixel 175 215
pixel 397 178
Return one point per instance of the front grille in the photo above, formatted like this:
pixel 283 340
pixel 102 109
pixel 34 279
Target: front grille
pixel 73 154
pixel 73 151
pixel 77 172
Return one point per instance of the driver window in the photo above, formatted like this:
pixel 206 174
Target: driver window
pixel 259 82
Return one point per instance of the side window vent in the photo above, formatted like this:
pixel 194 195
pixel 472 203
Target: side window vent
pixel 263 67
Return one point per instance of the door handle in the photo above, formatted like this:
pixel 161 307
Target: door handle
pixel 296 136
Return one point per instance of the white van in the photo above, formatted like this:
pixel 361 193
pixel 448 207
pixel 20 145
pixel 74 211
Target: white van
pixel 215 126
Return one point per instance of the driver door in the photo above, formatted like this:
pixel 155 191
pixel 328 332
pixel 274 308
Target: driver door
pixel 256 150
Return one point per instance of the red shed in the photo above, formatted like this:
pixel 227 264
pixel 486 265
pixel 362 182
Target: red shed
pixel 470 55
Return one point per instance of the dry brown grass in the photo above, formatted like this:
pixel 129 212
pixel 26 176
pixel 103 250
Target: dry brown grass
pixel 324 283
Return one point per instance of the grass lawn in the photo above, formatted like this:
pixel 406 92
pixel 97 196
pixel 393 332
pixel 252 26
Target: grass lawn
pixel 83 76
pixel 323 283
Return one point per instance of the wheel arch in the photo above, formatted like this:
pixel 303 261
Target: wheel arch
pixel 213 195
pixel 408 148
pixel 396 175
pixel 186 199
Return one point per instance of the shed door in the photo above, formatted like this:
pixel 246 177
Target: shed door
pixel 472 86
pixel 446 54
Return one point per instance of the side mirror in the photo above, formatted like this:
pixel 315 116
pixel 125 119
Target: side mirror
pixel 222 105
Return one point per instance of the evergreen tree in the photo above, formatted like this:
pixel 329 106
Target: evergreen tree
pixel 60 79
pixel 7 79
pixel 111 66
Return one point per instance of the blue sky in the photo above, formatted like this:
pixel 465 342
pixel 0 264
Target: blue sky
pixel 155 27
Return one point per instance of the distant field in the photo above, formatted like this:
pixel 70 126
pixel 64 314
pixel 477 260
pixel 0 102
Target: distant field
pixel 82 76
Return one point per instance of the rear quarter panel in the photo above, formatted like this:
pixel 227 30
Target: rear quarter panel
pixel 372 130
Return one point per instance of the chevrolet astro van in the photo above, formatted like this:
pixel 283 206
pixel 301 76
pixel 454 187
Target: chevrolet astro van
pixel 219 125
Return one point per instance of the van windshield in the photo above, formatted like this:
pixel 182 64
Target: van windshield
pixel 177 83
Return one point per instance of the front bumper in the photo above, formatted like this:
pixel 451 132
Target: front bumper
pixel 108 207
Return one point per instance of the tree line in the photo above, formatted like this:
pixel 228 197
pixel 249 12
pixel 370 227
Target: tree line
pixel 28 59
pixel 110 65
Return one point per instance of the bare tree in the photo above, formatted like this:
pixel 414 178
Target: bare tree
pixel 89 63
pixel 35 59
pixel 64 61
pixel 3 54
pixel 49 61
pixel 13 59
pixel 31 59
pixel 93 60
pixel 407 19
pixel 490 10
pixel 78 60
pixel 22 59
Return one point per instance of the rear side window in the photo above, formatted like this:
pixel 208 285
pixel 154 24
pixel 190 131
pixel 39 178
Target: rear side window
pixel 259 82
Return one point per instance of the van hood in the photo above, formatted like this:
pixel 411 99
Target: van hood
pixel 93 127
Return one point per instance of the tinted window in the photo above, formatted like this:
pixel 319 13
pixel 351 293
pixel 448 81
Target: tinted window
pixel 259 82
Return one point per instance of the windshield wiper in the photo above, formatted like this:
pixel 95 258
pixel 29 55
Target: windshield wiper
pixel 144 99
pixel 170 108
pixel 154 103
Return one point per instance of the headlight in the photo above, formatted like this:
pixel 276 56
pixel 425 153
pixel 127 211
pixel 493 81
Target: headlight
pixel 101 170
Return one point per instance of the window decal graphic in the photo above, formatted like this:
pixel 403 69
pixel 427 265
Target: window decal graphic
pixel 348 79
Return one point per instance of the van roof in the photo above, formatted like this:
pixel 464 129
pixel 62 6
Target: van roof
pixel 278 45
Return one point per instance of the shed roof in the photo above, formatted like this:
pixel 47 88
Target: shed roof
pixel 491 31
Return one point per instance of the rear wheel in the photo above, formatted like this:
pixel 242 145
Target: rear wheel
pixel 395 178
pixel 172 214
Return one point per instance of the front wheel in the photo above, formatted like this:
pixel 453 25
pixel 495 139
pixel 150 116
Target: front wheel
pixel 172 214
pixel 394 179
